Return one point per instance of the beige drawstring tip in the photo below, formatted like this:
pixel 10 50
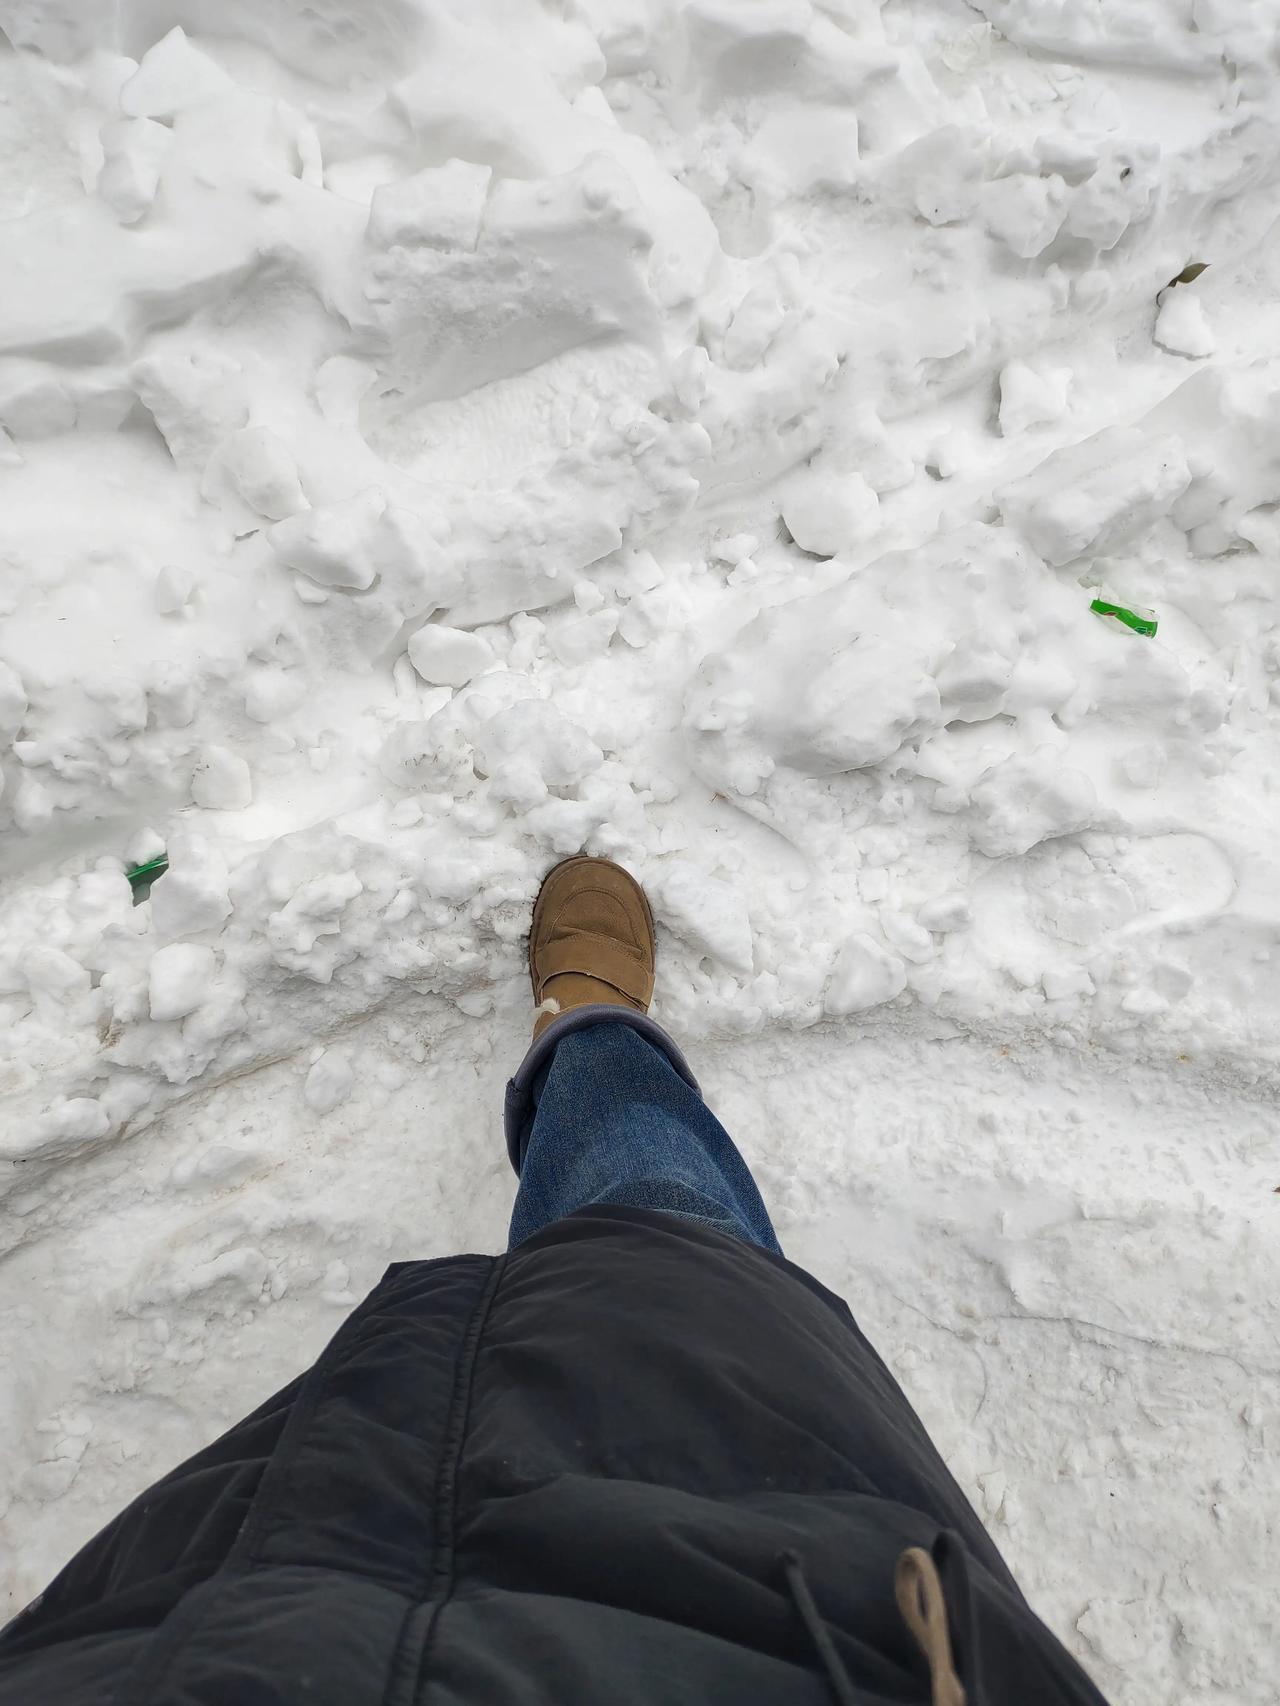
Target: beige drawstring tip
pixel 918 1590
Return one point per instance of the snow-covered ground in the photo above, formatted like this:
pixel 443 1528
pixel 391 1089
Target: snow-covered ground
pixel 440 435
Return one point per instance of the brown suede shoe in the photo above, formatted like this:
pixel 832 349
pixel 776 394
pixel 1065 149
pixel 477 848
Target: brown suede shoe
pixel 591 940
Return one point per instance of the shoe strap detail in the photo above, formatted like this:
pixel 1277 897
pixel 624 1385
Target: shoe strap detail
pixel 595 956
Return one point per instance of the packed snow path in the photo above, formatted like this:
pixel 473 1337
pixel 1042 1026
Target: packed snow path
pixel 437 437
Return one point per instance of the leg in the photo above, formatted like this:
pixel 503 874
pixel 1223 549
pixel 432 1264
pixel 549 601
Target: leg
pixel 608 1119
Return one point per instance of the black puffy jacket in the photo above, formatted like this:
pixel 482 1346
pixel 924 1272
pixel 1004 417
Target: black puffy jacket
pixel 633 1461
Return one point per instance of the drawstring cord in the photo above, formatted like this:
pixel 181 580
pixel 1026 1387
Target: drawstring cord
pixel 818 1632
pixel 918 1590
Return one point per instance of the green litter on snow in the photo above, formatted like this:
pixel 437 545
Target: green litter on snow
pixel 148 871
pixel 1141 621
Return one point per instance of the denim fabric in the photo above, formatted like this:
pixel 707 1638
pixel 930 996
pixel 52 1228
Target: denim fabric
pixel 613 1121
pixel 519 1105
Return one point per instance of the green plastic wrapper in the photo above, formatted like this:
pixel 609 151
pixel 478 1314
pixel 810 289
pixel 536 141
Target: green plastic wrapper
pixel 148 871
pixel 1141 621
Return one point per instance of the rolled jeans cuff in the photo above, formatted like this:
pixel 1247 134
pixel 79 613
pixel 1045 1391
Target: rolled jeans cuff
pixel 518 1107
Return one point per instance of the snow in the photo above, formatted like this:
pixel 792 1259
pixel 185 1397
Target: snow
pixel 1182 326
pixel 221 780
pixel 436 438
pixel 448 657
pixel 178 977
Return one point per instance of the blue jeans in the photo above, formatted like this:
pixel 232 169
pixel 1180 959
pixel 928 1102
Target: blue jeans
pixel 607 1118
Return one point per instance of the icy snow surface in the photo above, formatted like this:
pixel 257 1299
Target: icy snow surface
pixel 440 435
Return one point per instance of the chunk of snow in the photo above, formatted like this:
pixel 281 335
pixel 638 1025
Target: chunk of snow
pixel 1024 212
pixel 1182 326
pixel 334 544
pixel 948 912
pixel 583 637
pixel 313 910
pixel 864 975
pixel 1030 799
pixel 174 585
pixel 827 512
pixel 441 207
pixel 706 911
pixel 974 680
pixel 80 1118
pixel 1031 396
pixel 222 780
pixel 35 404
pixel 172 77
pixel 192 895
pixel 263 471
pixel 448 657
pixel 329 1082
pixel 534 736
pixel 51 971
pixel 179 978
pixel 133 152
pixel 273 693
pixel 1098 495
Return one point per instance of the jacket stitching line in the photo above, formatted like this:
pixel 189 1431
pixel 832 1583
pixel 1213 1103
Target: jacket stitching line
pixel 272 1488
pixel 199 1601
pixel 279 1473
pixel 443 1578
